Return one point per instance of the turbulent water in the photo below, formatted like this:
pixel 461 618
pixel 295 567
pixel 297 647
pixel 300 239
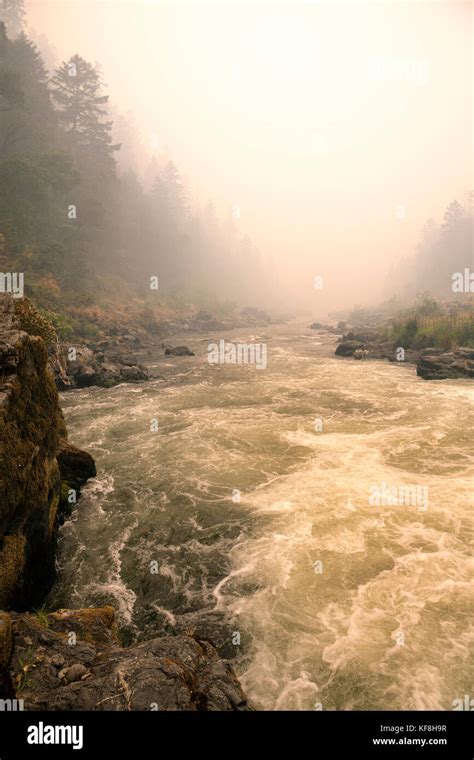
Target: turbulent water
pixel 244 520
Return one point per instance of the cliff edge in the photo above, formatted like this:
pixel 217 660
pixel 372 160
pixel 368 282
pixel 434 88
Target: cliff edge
pixel 33 442
pixel 70 659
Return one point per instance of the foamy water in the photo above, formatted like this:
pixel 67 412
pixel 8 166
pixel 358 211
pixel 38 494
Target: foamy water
pixel 261 525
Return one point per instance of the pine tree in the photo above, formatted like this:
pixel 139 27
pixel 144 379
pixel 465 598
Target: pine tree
pixel 13 13
pixel 176 196
pixel 453 214
pixel 77 90
pixel 28 121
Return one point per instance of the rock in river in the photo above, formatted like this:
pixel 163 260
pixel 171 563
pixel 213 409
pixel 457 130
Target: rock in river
pixel 178 351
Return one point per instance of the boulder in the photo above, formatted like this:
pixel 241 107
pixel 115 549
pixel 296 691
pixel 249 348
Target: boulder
pixel 75 466
pixel 449 365
pixel 105 366
pixel 178 351
pixel 347 348
pixel 135 374
pixel 169 673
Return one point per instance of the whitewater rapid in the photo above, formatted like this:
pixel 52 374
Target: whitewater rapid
pixel 246 517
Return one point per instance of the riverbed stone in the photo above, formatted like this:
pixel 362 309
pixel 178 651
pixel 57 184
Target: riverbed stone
pixel 168 673
pixel 178 351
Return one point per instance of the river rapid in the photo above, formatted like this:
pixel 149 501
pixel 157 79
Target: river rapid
pixel 247 517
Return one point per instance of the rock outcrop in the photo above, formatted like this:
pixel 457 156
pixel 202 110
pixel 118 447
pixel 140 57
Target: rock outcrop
pixel 431 363
pixel 438 364
pixel 6 648
pixel 75 468
pixel 320 327
pixel 347 347
pixel 105 365
pixel 372 342
pixel 178 351
pixel 72 660
pixel 31 426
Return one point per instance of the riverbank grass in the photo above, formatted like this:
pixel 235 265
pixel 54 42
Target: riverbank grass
pixel 446 331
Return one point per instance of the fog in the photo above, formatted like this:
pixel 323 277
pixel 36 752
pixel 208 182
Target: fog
pixel 336 129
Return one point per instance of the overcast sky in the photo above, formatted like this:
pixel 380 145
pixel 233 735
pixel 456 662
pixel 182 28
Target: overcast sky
pixel 337 128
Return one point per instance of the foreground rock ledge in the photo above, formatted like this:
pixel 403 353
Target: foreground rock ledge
pixel 38 467
pixel 171 673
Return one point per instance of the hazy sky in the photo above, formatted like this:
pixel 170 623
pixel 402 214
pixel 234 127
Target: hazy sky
pixel 337 128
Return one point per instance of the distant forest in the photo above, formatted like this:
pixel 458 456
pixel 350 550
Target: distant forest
pixel 89 227
pixel 444 249
pixel 86 230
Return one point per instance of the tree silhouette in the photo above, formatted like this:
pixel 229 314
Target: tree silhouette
pixel 76 89
pixel 13 14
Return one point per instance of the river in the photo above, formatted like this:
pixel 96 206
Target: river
pixel 246 517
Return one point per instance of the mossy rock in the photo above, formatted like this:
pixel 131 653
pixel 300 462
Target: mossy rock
pixel 31 321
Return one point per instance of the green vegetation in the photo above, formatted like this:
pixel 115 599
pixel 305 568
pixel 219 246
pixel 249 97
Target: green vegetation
pixel 87 227
pixel 33 322
pixel 42 616
pixel 428 323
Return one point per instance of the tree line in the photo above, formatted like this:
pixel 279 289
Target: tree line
pixel 444 249
pixel 83 229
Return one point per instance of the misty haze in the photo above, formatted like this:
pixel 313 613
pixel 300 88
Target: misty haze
pixel 237 354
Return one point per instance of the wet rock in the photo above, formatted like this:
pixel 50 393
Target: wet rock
pixel 73 673
pixel 81 370
pixel 76 466
pixel 31 426
pixel 135 374
pixel 448 365
pixel 178 351
pixel 105 364
pixel 29 473
pixel 170 673
pixel 110 373
pixel 127 360
pixel 431 363
pixel 465 353
pixel 320 327
pixel 347 348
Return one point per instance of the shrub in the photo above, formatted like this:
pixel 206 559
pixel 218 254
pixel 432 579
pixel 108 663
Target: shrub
pixel 33 322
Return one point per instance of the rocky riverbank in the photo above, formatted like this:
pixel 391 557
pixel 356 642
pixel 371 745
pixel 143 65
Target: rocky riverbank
pixel 39 470
pixel 438 364
pixel 105 364
pixel 71 659
pixel 120 358
pixel 431 363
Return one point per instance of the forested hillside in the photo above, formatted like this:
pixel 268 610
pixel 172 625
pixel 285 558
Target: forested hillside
pixel 94 240
pixel 444 248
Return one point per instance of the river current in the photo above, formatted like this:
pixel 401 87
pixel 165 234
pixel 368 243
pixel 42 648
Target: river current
pixel 236 503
